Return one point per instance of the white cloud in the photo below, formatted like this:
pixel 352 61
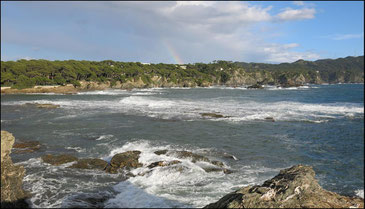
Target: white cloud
pixel 198 31
pixel 296 14
pixel 339 37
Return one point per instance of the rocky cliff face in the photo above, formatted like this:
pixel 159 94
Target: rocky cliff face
pixel 294 187
pixel 12 193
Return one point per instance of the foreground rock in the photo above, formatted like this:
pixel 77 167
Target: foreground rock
pixel 93 163
pixel 58 159
pixel 125 160
pixel 294 187
pixel 12 193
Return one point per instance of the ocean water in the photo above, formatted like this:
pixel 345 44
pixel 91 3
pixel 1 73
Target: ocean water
pixel 317 125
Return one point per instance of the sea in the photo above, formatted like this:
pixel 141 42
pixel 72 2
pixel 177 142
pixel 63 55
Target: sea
pixel 317 125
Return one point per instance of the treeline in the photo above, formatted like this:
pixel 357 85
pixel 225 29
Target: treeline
pixel 27 73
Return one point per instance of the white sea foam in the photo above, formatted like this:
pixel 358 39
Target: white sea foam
pixel 145 102
pixel 360 193
pixel 181 185
pixel 51 185
pixel 102 137
pixel 104 92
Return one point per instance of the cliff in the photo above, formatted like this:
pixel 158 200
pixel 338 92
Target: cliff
pixel 12 193
pixel 295 187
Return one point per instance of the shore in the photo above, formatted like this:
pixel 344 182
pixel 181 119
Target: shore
pixel 93 86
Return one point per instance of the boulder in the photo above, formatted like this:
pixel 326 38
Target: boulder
pixel 125 160
pixel 58 159
pixel 28 146
pixel 93 163
pixel 12 193
pixel 293 187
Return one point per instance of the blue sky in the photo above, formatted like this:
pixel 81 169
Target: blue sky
pixel 182 32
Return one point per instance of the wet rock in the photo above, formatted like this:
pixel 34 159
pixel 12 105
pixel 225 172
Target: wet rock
pixel 212 169
pixel 126 160
pixel 163 163
pixel 186 154
pixel 29 146
pixel 161 152
pixel 93 163
pixel 270 119
pixel 213 115
pixel 294 187
pixel 58 159
pixel 217 163
pixel 12 193
pixel 255 86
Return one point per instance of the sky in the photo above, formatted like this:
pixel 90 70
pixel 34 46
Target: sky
pixel 183 31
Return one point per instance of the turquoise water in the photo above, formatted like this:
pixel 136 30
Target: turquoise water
pixel 317 125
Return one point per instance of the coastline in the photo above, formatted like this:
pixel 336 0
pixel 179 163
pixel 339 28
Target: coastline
pixel 93 86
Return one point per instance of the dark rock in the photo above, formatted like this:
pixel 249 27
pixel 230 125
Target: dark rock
pixel 294 187
pixel 217 163
pixel 125 160
pixel 29 146
pixel 58 159
pixel 161 152
pixel 211 169
pixel 255 86
pixel 270 119
pixel 12 193
pixel 185 154
pixel 163 163
pixel 94 163
pixel 213 115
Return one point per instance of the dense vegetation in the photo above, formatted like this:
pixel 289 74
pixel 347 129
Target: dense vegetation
pixel 27 73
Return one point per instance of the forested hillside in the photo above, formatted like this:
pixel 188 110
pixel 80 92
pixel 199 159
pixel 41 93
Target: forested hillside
pixel 27 73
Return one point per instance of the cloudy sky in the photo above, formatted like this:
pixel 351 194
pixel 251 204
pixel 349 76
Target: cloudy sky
pixel 182 32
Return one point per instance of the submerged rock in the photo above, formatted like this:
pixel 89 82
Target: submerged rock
pixel 163 163
pixel 126 160
pixel 294 187
pixel 270 119
pixel 93 163
pixel 186 154
pixel 213 115
pixel 58 159
pixel 161 152
pixel 12 193
pixel 28 146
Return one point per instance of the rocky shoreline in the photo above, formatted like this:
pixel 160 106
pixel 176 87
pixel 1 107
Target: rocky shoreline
pixel 295 187
pixel 94 86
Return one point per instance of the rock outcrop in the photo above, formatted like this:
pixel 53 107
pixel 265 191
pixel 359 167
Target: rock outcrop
pixel 93 163
pixel 12 193
pixel 125 160
pixel 58 159
pixel 294 187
